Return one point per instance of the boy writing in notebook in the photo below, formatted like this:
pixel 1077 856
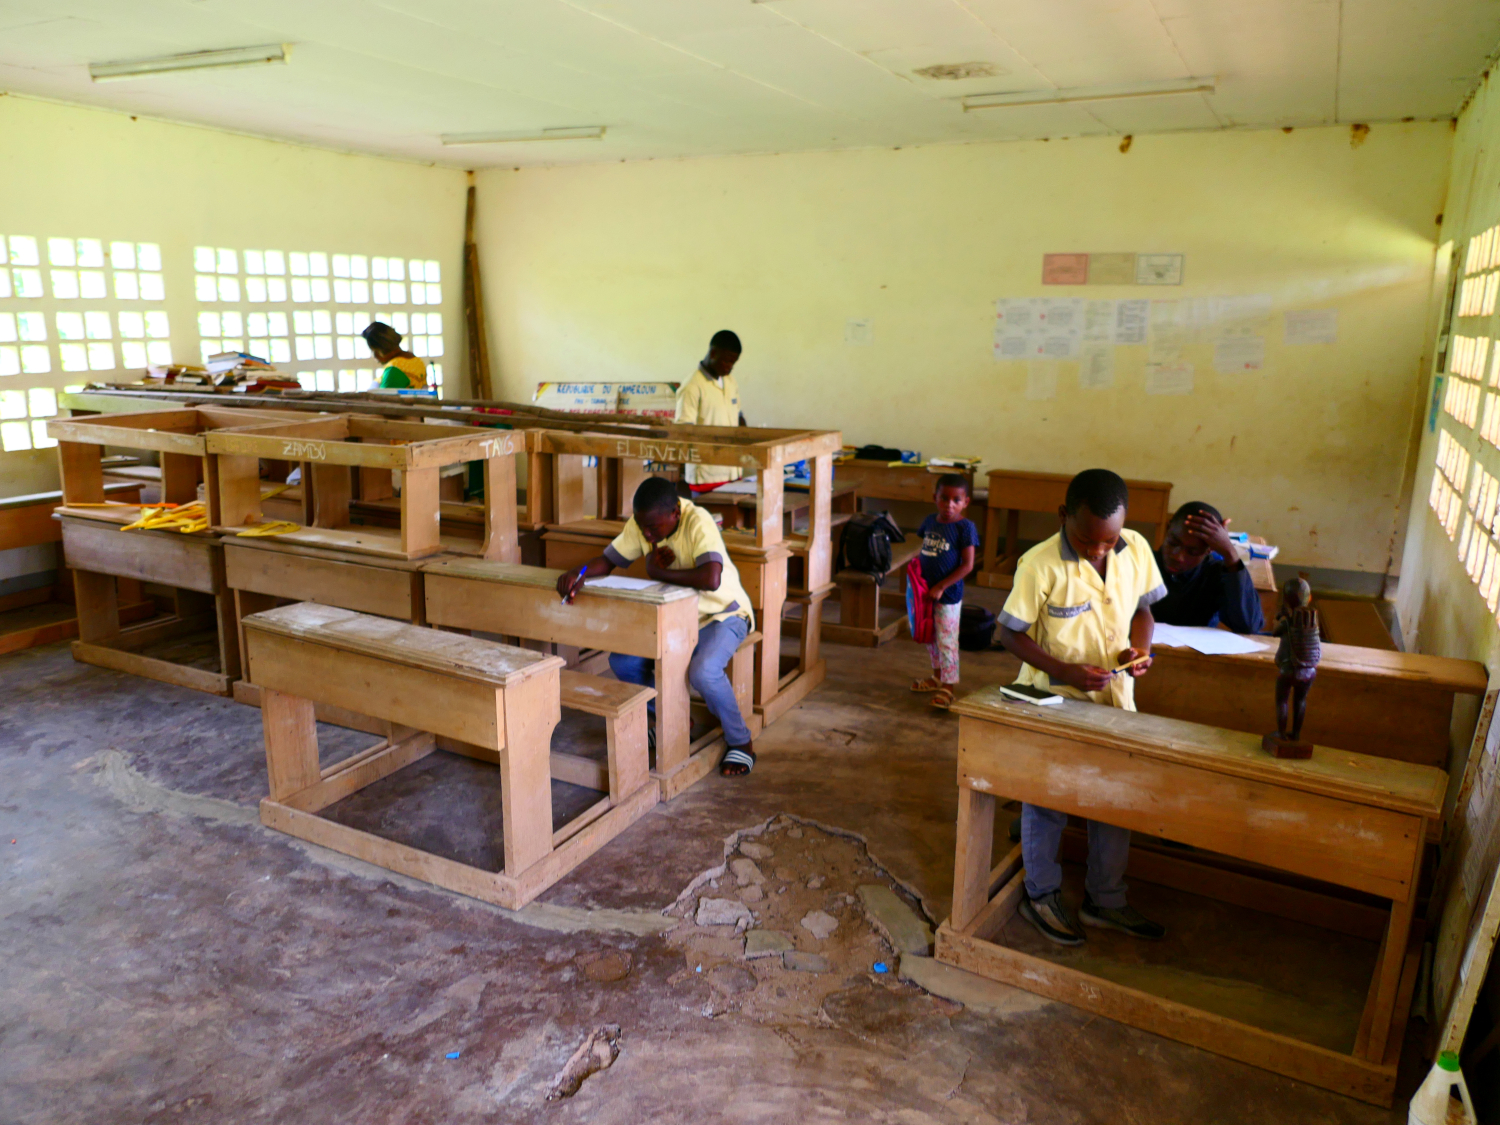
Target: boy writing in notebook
pixel 682 545
pixel 1079 611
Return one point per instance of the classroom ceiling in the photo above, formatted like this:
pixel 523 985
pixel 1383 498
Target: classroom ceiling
pixel 698 77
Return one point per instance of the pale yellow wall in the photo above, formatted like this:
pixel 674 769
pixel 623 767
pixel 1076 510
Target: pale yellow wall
pixel 72 172
pixel 1440 607
pixel 621 272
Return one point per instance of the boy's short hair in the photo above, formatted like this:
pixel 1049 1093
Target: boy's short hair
pixel 655 494
pixel 726 341
pixel 379 334
pixel 1193 508
pixel 1100 491
pixel 953 480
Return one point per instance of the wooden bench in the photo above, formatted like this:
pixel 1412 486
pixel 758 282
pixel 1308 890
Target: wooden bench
pixel 439 687
pixel 859 620
pixel 623 708
pixel 1339 818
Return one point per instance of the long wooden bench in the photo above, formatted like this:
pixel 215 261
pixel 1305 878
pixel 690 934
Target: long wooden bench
pixel 440 688
pixel 859 620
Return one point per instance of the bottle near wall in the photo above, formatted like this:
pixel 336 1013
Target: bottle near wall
pixel 1433 1102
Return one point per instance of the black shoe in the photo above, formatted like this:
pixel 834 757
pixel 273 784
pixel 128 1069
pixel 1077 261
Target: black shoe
pixel 1051 919
pixel 1126 919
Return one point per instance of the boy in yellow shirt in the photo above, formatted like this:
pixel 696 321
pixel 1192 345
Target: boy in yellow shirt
pixel 1079 608
pixel 682 545
pixel 711 397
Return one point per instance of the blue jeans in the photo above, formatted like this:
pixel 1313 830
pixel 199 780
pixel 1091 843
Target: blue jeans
pixel 717 642
pixel 1109 851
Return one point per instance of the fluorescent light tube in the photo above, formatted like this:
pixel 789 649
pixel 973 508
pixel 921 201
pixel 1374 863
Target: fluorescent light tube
pixel 561 133
pixel 196 60
pixel 1091 94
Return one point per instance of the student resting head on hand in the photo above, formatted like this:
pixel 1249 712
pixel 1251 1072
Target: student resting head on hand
pixel 1207 583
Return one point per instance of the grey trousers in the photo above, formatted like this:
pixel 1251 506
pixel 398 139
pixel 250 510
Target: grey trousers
pixel 1109 851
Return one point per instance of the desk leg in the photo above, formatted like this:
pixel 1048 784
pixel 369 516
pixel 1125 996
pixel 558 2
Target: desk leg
pixel 1383 989
pixel 773 598
pixel 291 735
pixel 991 539
pixel 528 713
pixel 674 712
pixel 971 865
pixel 98 608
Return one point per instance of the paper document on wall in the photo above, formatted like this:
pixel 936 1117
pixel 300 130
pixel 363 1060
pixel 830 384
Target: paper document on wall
pixel 1217 642
pixel 1239 353
pixel 1311 326
pixel 621 582
pixel 1041 379
pixel 1169 378
pixel 1130 321
pixel 1098 321
pixel 1096 366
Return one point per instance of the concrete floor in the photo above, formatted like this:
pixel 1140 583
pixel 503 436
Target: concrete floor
pixel 164 958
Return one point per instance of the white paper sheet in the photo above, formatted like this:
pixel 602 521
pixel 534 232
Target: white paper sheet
pixel 1041 379
pixel 1096 366
pixel 1212 641
pixel 1130 321
pixel 1311 326
pixel 1169 378
pixel 620 582
pixel 1239 353
pixel 1098 321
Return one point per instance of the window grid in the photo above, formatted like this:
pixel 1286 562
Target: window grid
pixel 70 306
pixel 298 337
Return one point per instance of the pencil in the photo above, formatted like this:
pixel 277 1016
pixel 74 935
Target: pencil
pixel 1132 664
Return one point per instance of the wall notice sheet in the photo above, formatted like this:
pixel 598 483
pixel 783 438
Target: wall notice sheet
pixel 1038 327
pixel 1311 326
pixel 1239 353
pixel 1098 321
pixel 1041 379
pixel 1169 378
pixel 1131 321
pixel 1096 365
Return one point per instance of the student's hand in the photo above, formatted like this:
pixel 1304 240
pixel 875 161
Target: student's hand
pixel 1214 533
pixel 936 590
pixel 1135 654
pixel 1085 677
pixel 569 582
pixel 663 557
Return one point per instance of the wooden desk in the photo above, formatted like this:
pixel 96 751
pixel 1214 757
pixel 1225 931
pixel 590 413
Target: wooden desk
pixel 1341 818
pixel 737 508
pixel 879 480
pixel 100 554
pixel 1394 705
pixel 1013 492
pixel 430 685
pixel 660 624
pixel 763 573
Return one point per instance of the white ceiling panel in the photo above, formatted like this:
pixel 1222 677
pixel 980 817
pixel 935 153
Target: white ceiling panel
pixel 699 77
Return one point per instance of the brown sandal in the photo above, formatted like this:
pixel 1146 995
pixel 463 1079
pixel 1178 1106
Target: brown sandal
pixel 944 698
pixel 931 683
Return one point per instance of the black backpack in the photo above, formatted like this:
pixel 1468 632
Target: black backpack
pixel 866 544
pixel 976 628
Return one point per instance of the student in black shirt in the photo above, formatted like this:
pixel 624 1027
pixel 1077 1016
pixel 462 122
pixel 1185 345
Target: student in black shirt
pixel 1207 583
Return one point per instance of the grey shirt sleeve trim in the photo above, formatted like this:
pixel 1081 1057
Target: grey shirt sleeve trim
pixel 615 557
pixel 708 557
pixel 1014 624
pixel 1151 598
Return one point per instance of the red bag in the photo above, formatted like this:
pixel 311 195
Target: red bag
pixel 919 604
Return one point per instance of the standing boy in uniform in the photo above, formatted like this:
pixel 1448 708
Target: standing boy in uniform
pixel 1079 608
pixel 682 546
pixel 711 397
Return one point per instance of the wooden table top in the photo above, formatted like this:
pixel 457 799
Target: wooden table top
pixel 545 578
pixel 1359 778
pixel 1466 677
pixel 453 654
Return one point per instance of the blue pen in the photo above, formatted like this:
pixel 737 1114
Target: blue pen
pixel 583 570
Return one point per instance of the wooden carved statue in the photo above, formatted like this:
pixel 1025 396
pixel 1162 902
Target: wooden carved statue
pixel 1297 659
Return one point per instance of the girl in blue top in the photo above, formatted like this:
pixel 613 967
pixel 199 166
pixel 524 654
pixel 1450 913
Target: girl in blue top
pixel 947 556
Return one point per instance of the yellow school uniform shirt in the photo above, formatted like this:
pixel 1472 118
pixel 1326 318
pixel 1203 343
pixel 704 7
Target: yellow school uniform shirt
pixel 696 541
pixel 703 401
pixel 1079 617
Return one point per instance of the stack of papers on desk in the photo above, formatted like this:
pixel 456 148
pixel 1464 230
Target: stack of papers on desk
pixel 1216 642
pixel 620 582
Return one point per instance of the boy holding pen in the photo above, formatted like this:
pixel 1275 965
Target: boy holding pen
pixel 682 545
pixel 1079 617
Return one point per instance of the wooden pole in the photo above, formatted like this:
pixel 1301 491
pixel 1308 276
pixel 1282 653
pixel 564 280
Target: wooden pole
pixel 474 323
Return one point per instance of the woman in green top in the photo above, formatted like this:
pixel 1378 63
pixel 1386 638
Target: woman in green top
pixel 402 370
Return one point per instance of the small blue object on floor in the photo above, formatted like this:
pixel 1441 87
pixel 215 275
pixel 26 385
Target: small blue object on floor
pixel 882 967
pixel 454 1054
